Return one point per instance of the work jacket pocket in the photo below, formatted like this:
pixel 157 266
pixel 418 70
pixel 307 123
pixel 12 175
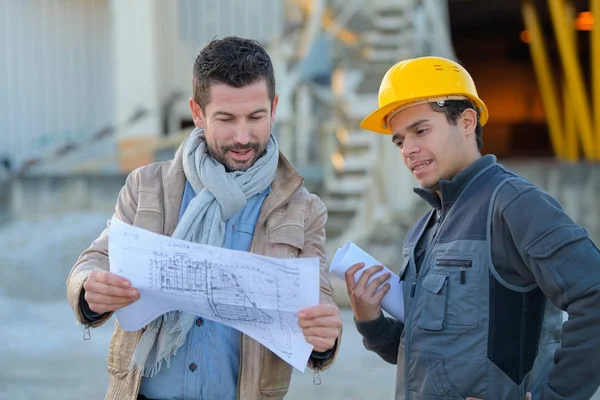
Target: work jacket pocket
pixel 433 302
pixel 462 289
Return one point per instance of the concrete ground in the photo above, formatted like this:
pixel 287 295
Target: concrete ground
pixel 45 357
pixel 42 351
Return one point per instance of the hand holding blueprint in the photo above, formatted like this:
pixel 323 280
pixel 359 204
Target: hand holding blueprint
pixel 257 295
pixel 350 254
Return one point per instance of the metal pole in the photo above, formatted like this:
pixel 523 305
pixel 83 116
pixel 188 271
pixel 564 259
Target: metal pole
pixel 544 76
pixel 574 79
pixel 595 44
pixel 571 151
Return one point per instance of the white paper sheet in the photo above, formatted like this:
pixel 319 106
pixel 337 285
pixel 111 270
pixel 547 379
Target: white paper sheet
pixel 350 254
pixel 260 296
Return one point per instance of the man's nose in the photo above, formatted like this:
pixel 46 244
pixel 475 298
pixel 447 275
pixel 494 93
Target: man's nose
pixel 409 147
pixel 242 136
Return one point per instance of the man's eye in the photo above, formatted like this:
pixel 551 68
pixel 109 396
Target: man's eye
pixel 421 131
pixel 254 118
pixel 224 119
pixel 400 143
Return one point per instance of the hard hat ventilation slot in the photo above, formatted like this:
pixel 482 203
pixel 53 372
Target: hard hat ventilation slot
pixel 455 69
pixel 438 67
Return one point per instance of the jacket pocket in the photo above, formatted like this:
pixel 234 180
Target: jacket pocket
pixel 427 377
pixel 285 233
pixel 462 289
pixel 275 375
pixel 433 302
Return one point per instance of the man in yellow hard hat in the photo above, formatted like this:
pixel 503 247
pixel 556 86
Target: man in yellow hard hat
pixel 487 271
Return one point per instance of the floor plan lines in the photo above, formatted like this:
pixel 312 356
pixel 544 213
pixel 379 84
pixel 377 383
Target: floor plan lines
pixel 257 295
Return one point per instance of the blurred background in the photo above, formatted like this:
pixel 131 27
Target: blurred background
pixel 90 89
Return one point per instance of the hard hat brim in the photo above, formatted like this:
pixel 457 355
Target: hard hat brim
pixel 376 121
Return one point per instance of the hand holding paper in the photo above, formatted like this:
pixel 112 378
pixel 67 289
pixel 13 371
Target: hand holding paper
pixel 350 254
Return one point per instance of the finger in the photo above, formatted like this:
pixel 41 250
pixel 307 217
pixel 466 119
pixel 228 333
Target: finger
pixel 320 344
pixel 108 290
pixel 318 311
pixel 366 276
pixel 332 321
pixel 108 278
pixel 380 294
pixel 97 298
pixel 322 332
pixel 349 275
pixel 104 308
pixel 528 396
pixel 376 283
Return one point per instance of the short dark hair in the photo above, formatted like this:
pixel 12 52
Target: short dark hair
pixel 453 109
pixel 234 61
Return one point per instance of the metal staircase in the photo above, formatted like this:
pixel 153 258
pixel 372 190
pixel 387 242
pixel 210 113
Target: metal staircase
pixel 356 176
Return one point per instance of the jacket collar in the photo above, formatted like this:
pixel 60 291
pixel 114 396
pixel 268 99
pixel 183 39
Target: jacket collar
pixel 287 180
pixel 451 189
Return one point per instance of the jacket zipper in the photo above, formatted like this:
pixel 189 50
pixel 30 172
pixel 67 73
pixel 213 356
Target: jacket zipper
pixel 317 376
pixel 414 285
pixel 426 257
pixel 456 263
pixel 87 333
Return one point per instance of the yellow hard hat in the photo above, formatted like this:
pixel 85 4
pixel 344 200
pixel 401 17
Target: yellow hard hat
pixel 421 80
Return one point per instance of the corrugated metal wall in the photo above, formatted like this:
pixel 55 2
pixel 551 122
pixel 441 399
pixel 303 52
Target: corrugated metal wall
pixel 199 21
pixel 202 20
pixel 56 67
pixel 55 73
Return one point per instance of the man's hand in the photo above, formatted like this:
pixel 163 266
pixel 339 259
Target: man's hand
pixel 105 291
pixel 527 397
pixel 366 299
pixel 321 325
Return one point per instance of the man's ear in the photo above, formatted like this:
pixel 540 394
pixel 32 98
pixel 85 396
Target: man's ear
pixel 197 114
pixel 274 107
pixel 468 121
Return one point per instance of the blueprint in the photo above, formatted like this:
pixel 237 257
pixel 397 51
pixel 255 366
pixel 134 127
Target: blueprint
pixel 257 295
pixel 350 254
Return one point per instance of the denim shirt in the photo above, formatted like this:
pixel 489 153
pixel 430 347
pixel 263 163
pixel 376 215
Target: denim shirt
pixel 207 366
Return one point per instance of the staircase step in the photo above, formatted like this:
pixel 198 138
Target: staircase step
pixel 356 163
pixel 381 39
pixel 391 56
pixel 390 22
pixel 356 138
pixel 357 107
pixel 390 6
pixel 347 185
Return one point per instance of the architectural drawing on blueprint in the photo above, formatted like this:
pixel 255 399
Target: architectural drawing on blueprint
pixel 258 295
pixel 232 291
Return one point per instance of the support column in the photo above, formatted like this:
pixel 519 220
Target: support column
pixel 139 75
pixel 571 151
pixel 595 51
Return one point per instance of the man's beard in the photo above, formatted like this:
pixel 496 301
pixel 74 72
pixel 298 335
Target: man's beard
pixel 231 166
